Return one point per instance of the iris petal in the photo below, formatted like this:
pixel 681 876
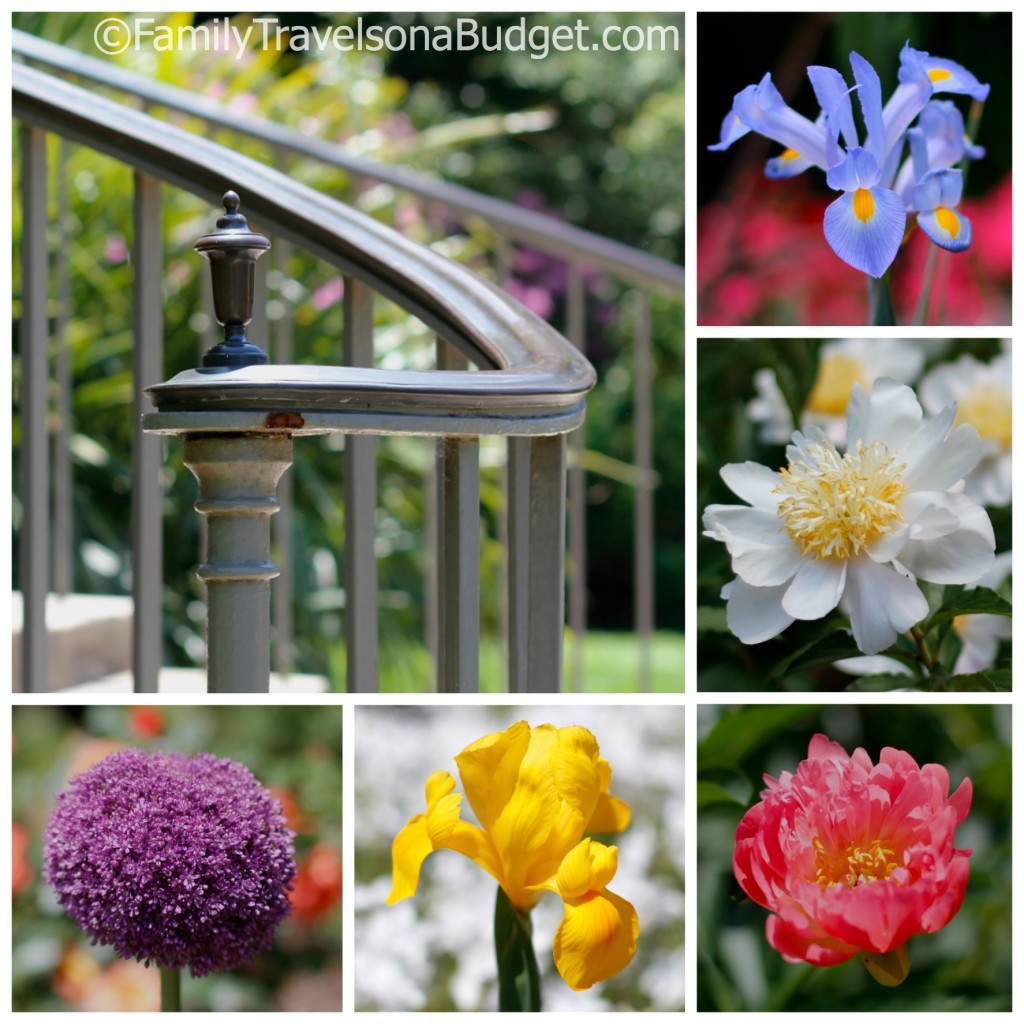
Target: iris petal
pixel 944 75
pixel 596 939
pixel 946 228
pixel 870 95
pixel 866 235
pixel 833 97
pixel 763 109
pixel 733 128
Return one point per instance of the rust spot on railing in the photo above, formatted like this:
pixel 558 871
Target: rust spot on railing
pixel 284 421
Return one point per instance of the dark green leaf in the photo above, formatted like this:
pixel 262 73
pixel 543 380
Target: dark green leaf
pixel 958 601
pixel 831 644
pixel 990 679
pixel 881 681
pixel 518 977
pixel 711 620
pixel 709 793
pixel 738 733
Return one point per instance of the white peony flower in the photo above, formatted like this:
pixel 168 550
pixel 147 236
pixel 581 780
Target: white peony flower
pixel 982 392
pixel 841 364
pixel 857 527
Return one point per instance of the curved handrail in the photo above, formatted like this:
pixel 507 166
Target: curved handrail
pixel 533 369
pixel 513 222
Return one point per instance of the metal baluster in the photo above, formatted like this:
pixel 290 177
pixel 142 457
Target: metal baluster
pixel 34 340
pixel 360 496
pixel 643 511
pixel 458 552
pixel 147 449
pixel 282 592
pixel 577 494
pixel 238 475
pixel 63 534
pixel 536 469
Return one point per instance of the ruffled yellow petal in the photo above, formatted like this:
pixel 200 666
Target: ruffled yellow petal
pixel 408 852
pixel 439 829
pixel 589 867
pixel 596 939
pixel 574 766
pixel 489 769
pixel 610 814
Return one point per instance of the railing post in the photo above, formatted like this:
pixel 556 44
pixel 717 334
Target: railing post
pixel 238 476
pixel 34 539
pixel 536 558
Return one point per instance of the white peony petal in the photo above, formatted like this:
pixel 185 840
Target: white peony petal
pixel 961 556
pixel 935 463
pixel 816 589
pixel 890 414
pixel 741 527
pixel 881 604
pixel 753 483
pixel 755 614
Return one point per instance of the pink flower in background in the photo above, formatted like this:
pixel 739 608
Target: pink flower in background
pixel 853 857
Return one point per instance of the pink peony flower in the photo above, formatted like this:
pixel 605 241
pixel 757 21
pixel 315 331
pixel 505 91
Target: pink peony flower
pixel 854 857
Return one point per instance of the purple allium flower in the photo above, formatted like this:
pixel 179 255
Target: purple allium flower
pixel 175 860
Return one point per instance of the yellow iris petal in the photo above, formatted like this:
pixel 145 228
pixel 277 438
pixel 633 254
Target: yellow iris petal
pixel 610 813
pixel 589 866
pixel 439 829
pixel 489 769
pixel 596 939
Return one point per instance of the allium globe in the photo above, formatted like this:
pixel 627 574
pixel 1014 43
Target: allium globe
pixel 854 857
pixel 173 860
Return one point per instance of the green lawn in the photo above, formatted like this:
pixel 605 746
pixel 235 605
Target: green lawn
pixel 610 665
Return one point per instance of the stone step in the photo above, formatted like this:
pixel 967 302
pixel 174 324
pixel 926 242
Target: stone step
pixel 89 650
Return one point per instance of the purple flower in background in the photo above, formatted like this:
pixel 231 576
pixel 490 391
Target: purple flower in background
pixel 173 860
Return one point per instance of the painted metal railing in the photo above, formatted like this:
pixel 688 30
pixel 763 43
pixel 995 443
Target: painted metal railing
pixel 513 225
pixel 238 423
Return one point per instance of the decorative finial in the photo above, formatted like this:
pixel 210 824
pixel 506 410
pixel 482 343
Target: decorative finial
pixel 232 251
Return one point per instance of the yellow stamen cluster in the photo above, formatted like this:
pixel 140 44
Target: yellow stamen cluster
pixel 989 409
pixel 870 862
pixel 837 374
pixel 835 506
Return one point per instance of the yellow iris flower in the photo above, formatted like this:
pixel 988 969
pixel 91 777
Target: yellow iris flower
pixel 536 793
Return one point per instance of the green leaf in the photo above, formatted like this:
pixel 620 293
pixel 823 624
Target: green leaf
pixel 958 601
pixel 711 620
pixel 709 793
pixel 828 646
pixel 737 734
pixel 990 679
pixel 518 977
pixel 882 681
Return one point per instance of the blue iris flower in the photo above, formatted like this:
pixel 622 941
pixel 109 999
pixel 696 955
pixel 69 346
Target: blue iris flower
pixel 865 225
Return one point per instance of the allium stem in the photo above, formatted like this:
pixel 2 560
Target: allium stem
pixel 170 989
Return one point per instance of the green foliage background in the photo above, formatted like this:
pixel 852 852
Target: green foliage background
pixel 612 162
pixel 964 967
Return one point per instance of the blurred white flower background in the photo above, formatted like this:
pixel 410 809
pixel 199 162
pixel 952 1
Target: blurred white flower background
pixel 435 951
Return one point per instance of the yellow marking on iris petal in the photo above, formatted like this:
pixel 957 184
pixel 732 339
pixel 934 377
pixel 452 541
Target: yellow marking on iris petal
pixel 834 506
pixel 837 373
pixel 939 74
pixel 872 862
pixel 789 154
pixel 989 409
pixel 863 205
pixel 948 221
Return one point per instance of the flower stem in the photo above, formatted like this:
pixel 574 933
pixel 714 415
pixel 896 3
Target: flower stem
pixel 170 989
pixel 880 307
pixel 925 298
pixel 518 976
pixel 924 655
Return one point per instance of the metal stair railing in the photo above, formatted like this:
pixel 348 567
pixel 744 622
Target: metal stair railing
pixel 513 225
pixel 238 422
